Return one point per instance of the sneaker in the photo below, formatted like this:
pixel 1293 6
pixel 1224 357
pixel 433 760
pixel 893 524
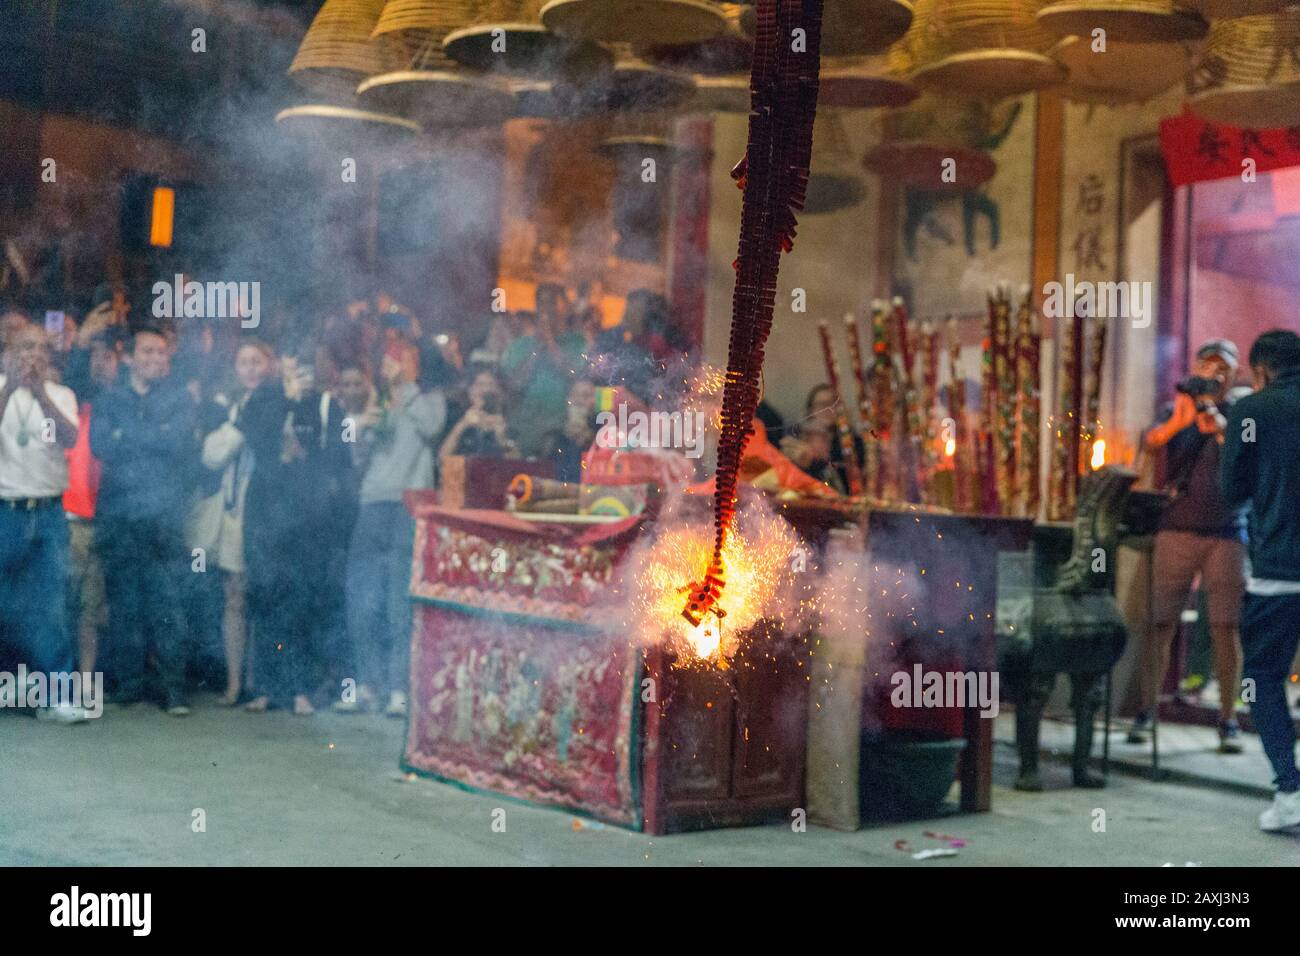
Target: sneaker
pixel 396 705
pixel 1229 737
pixel 363 700
pixel 1137 734
pixel 63 714
pixel 176 706
pixel 1284 813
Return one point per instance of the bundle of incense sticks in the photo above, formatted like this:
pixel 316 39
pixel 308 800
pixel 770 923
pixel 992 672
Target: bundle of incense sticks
pixel 844 433
pixel 882 396
pixel 1004 415
pixel 957 412
pixel 774 176
pixel 1028 354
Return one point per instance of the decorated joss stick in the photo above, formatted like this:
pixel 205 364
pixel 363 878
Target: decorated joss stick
pixel 909 459
pixel 852 476
pixel 985 463
pixel 1026 351
pixel 929 399
pixel 957 412
pixel 1092 403
pixel 863 393
pixel 1004 435
pixel 1065 431
pixel 882 395
pixel 774 176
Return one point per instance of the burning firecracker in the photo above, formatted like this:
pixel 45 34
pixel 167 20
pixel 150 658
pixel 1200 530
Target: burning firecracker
pixel 774 177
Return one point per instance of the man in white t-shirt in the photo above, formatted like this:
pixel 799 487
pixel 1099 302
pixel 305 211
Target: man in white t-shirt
pixel 38 421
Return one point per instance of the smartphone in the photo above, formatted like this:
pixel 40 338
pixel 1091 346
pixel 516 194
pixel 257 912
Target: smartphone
pixel 54 326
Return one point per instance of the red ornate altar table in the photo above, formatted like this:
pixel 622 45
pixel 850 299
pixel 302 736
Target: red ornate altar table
pixel 524 682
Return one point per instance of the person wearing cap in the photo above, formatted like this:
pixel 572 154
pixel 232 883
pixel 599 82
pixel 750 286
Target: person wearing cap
pixel 1200 533
pixel 1260 454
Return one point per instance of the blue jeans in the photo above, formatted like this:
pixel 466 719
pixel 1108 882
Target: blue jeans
pixel 1270 632
pixel 34 585
pixel 378 595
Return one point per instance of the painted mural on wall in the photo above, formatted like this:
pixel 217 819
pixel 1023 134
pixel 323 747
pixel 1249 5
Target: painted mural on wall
pixel 957 245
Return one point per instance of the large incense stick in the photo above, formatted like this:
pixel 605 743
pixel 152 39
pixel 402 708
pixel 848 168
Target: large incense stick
pixel 848 449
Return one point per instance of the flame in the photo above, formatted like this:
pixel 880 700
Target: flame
pixel 950 447
pixel 1098 453
pixel 759 554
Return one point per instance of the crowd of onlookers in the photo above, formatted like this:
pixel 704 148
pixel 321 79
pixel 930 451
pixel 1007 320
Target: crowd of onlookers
pixel 187 503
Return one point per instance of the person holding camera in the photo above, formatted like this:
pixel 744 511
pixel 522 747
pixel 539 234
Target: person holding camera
pixel 482 429
pixel 1200 533
pixel 38 422
pixel 1260 455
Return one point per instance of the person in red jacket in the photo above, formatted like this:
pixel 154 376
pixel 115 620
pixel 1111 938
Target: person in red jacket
pixel 87 606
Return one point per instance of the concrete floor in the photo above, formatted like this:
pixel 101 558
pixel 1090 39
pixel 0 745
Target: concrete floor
pixel 325 790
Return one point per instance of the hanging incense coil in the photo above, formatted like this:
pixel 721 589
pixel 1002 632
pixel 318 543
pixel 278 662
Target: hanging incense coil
pixel 1124 73
pixel 983 48
pixel 631 86
pixel 833 183
pixel 1227 9
pixel 857 27
pixel 431 89
pixel 862 83
pixel 1129 21
pixel 918 140
pixel 719 94
pixel 420 26
pixel 345 126
pixel 640 22
pixel 727 53
pixel 1249 74
pixel 507 36
pixel 338 50
pixel 438 98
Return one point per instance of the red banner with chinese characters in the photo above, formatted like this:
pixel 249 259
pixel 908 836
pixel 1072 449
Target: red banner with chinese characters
pixel 1196 150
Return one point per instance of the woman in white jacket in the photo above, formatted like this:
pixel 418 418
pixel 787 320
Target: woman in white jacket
pixel 217 522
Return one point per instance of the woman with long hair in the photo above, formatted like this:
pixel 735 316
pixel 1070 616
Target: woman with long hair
pixel 217 521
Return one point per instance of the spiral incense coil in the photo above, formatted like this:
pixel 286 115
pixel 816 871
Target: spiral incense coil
pixel 338 49
pixel 774 177
pixel 1124 73
pixel 420 26
pixel 507 36
pixel 983 48
pixel 1129 21
pixel 1249 74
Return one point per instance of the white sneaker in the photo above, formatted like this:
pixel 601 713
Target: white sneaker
pixel 396 705
pixel 63 714
pixel 1284 813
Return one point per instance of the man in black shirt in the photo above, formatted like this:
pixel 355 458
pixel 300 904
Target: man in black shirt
pixel 1199 534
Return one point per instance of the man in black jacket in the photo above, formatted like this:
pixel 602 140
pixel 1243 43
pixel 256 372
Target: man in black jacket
pixel 1261 464
pixel 143 434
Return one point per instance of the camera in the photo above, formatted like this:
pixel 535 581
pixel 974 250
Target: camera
pixel 1198 387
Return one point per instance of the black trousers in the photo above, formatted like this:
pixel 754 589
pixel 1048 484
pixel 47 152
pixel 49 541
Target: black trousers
pixel 1270 632
pixel 143 560
pixel 288 599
